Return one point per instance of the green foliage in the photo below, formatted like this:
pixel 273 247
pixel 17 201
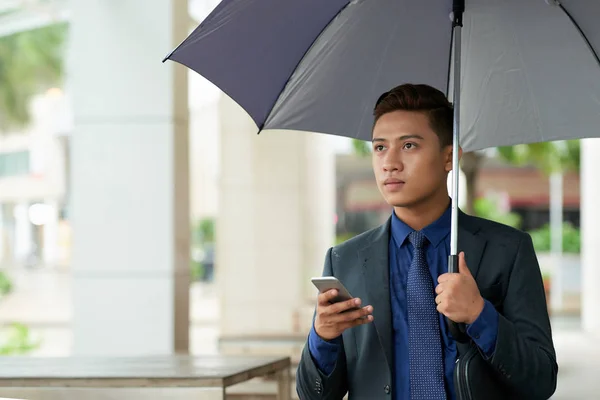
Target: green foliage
pixel 361 147
pixel 549 157
pixel 203 235
pixel 542 240
pixel 5 284
pixel 488 209
pixel 197 270
pixel 30 62
pixel 18 341
pixel 339 239
pixel 203 231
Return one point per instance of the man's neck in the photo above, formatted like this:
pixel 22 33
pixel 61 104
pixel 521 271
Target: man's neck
pixel 424 214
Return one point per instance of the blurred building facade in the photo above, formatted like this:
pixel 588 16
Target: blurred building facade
pixel 35 225
pixel 34 186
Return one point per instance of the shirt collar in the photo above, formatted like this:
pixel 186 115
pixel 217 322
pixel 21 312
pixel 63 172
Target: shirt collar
pixel 434 232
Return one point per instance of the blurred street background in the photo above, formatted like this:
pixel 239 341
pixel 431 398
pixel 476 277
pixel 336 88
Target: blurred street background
pixel 121 218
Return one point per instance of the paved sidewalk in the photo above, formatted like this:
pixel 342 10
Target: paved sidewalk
pixel 579 366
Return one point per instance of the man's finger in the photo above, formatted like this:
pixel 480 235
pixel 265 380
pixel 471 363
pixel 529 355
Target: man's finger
pixel 443 278
pixel 440 288
pixel 345 305
pixel 356 314
pixel 356 322
pixel 462 264
pixel 441 308
pixel 447 277
pixel 325 297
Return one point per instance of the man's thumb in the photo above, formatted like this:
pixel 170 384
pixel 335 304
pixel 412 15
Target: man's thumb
pixel 462 264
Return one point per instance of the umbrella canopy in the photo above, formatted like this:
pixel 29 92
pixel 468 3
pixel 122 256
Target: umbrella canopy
pixel 530 68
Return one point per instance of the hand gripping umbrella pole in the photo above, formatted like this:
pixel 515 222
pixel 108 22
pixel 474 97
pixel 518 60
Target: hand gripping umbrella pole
pixel 458 331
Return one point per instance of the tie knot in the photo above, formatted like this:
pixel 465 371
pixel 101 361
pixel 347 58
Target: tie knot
pixel 417 239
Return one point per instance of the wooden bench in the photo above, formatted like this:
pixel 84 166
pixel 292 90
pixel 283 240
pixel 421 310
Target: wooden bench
pixel 160 377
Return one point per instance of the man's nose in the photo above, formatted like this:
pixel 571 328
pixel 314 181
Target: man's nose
pixel 392 164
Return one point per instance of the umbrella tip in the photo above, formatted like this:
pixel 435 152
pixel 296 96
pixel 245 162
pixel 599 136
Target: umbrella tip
pixel 168 56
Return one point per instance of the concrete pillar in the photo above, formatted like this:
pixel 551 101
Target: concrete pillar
pixel 2 236
pixel 276 221
pixel 129 193
pixel 23 244
pixel 590 236
pixel 50 239
pixel 204 147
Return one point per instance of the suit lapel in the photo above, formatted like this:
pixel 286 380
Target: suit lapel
pixel 472 244
pixel 375 268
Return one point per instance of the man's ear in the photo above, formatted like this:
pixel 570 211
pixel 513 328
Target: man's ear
pixel 449 157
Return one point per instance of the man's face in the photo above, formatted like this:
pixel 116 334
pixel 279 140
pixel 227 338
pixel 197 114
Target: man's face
pixel 409 164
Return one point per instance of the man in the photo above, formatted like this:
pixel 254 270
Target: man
pixel 397 345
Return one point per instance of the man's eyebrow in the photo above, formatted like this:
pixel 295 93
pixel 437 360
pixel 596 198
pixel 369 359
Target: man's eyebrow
pixel 404 137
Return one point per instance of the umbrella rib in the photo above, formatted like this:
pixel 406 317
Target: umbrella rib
pixel 582 33
pixel 381 62
pixel 308 49
pixel 450 62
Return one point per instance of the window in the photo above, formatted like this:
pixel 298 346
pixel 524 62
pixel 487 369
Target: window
pixel 14 164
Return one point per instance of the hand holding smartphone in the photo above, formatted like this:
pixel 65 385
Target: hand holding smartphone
pixel 326 283
pixel 337 310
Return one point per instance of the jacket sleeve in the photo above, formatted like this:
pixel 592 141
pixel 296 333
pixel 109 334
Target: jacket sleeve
pixel 525 355
pixel 311 383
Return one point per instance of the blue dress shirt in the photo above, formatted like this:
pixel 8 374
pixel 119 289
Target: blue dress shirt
pixel 483 331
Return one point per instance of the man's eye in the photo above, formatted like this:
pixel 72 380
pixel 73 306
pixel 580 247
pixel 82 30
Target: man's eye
pixel 379 148
pixel 409 145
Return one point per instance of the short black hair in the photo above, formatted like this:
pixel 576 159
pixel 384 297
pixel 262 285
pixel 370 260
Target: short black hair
pixel 420 98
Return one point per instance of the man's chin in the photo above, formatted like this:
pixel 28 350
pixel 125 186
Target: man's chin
pixel 402 201
pixel 409 204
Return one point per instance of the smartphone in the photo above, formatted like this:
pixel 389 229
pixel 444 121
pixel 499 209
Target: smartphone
pixel 325 283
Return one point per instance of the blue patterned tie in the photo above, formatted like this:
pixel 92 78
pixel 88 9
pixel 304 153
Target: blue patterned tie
pixel 424 340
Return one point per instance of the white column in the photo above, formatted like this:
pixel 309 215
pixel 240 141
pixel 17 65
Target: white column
pixel 23 233
pixel 130 199
pixel 590 235
pixel 204 146
pixel 2 235
pixel 50 239
pixel 556 224
pixel 276 221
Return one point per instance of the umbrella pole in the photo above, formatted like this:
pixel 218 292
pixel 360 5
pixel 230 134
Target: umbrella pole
pixel 457 16
pixel 458 331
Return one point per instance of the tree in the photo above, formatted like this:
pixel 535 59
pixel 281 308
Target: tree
pixel 361 147
pixel 552 158
pixel 549 157
pixel 30 62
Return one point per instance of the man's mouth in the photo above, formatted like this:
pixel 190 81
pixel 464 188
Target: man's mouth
pixel 393 182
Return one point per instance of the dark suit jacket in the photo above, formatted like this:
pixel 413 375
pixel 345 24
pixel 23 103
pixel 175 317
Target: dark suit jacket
pixel 506 270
